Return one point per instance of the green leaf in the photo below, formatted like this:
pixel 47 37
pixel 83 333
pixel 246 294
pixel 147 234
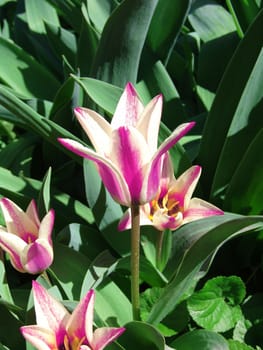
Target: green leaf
pixel 23 74
pixel 173 13
pixel 37 13
pixel 112 305
pixel 22 189
pixel 117 61
pixel 201 249
pixel 200 340
pixel 62 41
pixel 246 121
pixel 141 336
pixel 244 194
pixel 210 20
pixel 103 94
pixel 100 12
pixel 5 292
pixel 231 89
pixel 236 345
pixel 69 272
pixel 16 341
pixel 102 266
pixel 216 306
pixel 243 12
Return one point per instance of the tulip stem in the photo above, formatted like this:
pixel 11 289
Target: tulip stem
pixel 135 261
pixel 159 247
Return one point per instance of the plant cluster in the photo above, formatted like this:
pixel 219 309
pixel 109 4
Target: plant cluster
pixel 131 174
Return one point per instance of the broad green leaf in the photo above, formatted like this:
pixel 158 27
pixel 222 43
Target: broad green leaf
pixel 9 330
pixel 32 120
pixel 22 73
pixel 201 340
pixel 148 273
pixel 231 89
pixel 37 13
pixel 236 345
pixel 245 124
pixel 157 80
pixel 83 238
pixel 216 306
pixel 205 247
pixel 243 13
pixel 244 194
pixel 69 272
pixel 141 336
pixel 102 266
pixel 87 44
pixel 100 11
pixel 17 155
pixel 70 10
pixel 103 94
pixel 112 305
pixel 117 61
pixel 62 41
pixel 210 20
pixel 173 13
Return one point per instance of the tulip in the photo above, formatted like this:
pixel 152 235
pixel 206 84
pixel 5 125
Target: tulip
pixel 173 205
pixel 25 238
pixel 126 153
pixel 57 329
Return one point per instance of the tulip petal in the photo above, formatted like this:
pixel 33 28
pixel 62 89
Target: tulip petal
pixel 185 185
pixel 199 209
pixel 40 338
pixel 80 324
pixel 50 313
pixel 130 153
pixel 152 176
pixel 46 226
pixel 128 109
pixel 162 221
pixel 96 127
pixel 104 336
pixel 125 221
pixel 149 122
pixel 14 246
pixel 16 219
pixel 32 212
pixel 37 256
pixel 110 175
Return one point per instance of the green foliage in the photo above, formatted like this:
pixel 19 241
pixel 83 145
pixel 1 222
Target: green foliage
pixel 205 58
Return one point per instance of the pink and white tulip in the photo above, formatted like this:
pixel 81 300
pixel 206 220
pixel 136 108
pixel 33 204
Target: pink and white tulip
pixel 25 238
pixel 57 329
pixel 126 153
pixel 173 205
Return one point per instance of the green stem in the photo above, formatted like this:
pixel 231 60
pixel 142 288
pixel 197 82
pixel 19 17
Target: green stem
pixel 135 261
pixel 159 247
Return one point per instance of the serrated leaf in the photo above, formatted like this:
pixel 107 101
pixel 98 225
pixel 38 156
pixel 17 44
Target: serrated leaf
pixel 216 306
pixel 236 345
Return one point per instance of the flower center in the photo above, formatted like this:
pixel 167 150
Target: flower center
pixel 73 344
pixel 29 237
pixel 167 204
